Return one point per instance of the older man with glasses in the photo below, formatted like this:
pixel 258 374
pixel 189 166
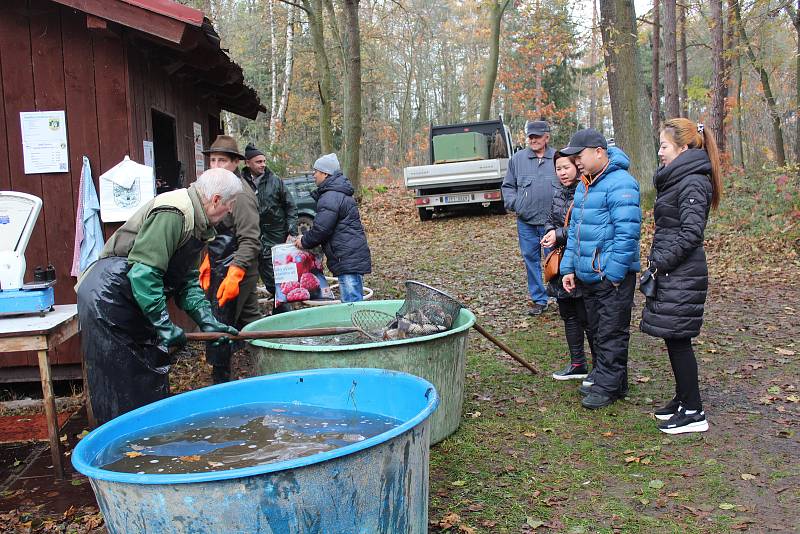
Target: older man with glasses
pixel 528 190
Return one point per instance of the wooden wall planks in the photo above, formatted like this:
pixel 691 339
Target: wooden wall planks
pixel 108 87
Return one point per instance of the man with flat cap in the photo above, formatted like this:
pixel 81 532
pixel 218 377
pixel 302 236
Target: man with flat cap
pixel 229 272
pixel 528 190
pixel 602 255
pixel 276 208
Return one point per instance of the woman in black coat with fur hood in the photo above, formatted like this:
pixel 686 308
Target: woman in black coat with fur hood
pixel 688 186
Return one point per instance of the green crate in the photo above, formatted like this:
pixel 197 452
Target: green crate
pixel 464 146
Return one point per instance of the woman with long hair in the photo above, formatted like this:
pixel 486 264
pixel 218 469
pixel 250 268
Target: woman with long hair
pixel 570 304
pixel 688 185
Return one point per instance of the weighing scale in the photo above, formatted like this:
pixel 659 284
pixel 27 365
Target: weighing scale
pixel 18 214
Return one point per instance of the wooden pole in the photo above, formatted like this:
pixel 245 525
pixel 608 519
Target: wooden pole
pixel 269 334
pixel 505 348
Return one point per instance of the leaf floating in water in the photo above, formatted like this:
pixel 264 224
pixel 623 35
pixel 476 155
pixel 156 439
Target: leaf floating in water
pixel 192 458
pixel 216 464
pixel 133 454
pixel 279 410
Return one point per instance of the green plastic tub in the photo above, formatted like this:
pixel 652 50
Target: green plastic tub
pixel 439 358
pixel 465 146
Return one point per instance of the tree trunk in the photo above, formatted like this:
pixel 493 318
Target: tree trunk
pixel 288 67
pixel 273 70
pixel 719 85
pixel 671 95
pixel 593 78
pixel 777 130
pixel 351 49
pixel 739 129
pixel 490 75
pixel 655 91
pixel 684 62
pixel 794 13
pixel 314 9
pixel 629 109
pixel 796 20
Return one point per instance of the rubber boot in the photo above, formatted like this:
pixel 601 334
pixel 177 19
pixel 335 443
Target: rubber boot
pixel 574 335
pixel 221 374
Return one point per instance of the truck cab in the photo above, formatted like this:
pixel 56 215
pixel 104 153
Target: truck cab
pixel 468 162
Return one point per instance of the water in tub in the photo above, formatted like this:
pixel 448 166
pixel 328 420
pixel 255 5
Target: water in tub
pixel 241 436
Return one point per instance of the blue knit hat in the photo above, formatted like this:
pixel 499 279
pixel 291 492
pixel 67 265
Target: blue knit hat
pixel 329 164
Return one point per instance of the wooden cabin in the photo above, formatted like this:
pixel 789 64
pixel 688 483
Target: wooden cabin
pixel 125 72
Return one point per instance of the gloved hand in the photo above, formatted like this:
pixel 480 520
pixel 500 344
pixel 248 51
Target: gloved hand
pixel 208 323
pixel 147 286
pixel 229 288
pixel 171 334
pixel 205 273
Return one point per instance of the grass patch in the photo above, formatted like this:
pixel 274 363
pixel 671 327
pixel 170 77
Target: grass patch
pixel 527 453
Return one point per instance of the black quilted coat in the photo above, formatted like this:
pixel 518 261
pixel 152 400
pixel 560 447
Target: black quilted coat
pixel 683 200
pixel 337 227
pixel 562 200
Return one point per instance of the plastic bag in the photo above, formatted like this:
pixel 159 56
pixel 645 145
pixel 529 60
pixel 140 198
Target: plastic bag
pixel 298 275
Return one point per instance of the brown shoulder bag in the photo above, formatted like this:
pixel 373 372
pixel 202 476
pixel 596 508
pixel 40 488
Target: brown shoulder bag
pixel 552 262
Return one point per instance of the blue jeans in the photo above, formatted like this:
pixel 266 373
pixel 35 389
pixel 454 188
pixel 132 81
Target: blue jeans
pixel 351 287
pixel 530 236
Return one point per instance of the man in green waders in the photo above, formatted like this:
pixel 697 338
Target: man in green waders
pixel 126 331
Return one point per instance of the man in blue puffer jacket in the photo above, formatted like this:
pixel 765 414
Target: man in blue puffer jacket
pixel 602 254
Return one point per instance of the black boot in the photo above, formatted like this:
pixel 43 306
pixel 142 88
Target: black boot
pixel 573 331
pixel 221 374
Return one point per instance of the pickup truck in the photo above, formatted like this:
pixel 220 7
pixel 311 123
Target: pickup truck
pixel 457 177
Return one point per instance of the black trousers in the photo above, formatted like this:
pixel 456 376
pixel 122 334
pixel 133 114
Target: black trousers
pixel 125 366
pixel 576 324
pixel 684 367
pixel 608 310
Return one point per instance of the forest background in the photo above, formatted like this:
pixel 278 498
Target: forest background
pixel 368 77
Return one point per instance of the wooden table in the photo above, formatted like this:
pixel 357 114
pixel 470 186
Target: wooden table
pixel 42 333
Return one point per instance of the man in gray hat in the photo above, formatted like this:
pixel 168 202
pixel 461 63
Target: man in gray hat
pixel 528 190
pixel 337 227
pixel 229 272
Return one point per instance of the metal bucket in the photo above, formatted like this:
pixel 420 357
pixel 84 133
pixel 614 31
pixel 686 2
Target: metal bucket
pixel 376 485
pixel 438 358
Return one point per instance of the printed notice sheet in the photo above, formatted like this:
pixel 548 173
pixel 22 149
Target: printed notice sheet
pixel 44 141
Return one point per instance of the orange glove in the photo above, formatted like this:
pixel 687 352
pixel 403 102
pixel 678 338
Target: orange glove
pixel 205 273
pixel 229 288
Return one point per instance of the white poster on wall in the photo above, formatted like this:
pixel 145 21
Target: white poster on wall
pixel 199 158
pixel 44 141
pixel 149 154
pixel 125 188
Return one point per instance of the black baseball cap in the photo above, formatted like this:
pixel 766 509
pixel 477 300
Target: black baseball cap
pixel 536 128
pixel 588 138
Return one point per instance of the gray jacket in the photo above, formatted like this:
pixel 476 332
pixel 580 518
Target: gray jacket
pixel 529 185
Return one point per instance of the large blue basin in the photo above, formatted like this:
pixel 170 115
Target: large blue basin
pixel 376 485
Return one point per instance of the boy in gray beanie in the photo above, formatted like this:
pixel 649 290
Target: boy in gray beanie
pixel 337 227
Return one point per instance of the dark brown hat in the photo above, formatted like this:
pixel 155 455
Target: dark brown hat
pixel 226 145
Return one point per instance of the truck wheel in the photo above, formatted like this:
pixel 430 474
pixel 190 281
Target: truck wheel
pixel 424 214
pixel 304 223
pixel 498 207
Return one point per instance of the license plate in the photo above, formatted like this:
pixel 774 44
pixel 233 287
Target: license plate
pixel 452 199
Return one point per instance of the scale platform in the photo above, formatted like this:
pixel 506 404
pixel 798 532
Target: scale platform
pixel 22 301
pixel 18 214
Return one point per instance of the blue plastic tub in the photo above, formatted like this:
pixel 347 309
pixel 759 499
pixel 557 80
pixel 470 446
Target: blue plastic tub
pixel 377 485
